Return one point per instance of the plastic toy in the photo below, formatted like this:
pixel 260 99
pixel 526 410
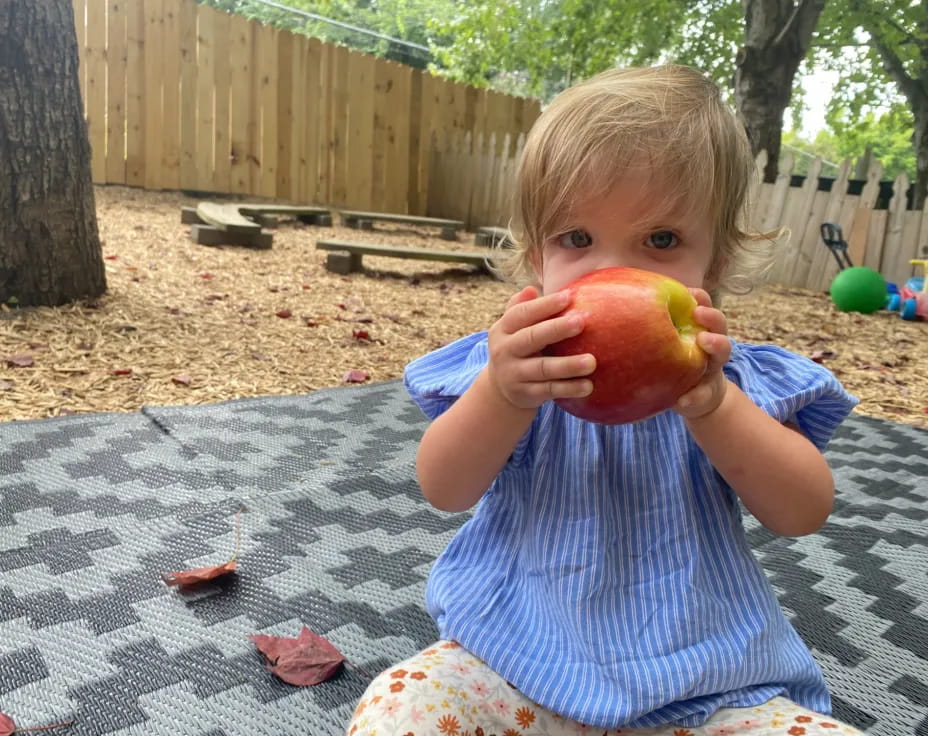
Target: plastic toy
pixel 912 300
pixel 858 289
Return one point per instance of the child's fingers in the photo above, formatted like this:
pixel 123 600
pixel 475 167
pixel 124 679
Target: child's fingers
pixel 524 310
pixel 552 368
pixel 524 295
pixel 702 297
pixel 717 347
pixel 711 319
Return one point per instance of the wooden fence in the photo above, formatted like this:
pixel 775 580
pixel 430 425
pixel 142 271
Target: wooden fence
pixel 473 179
pixel 181 96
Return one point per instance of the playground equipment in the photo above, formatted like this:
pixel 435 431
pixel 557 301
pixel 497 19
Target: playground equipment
pixel 912 300
pixel 855 288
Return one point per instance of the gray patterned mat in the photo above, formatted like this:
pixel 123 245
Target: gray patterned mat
pixel 93 508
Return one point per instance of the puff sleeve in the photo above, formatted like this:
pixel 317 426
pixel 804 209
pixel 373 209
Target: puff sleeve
pixel 437 379
pixel 790 387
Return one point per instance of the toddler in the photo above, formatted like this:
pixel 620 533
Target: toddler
pixel 604 583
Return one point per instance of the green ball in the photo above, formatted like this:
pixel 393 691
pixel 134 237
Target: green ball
pixel 858 289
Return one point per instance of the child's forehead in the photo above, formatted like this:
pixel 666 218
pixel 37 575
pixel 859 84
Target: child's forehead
pixel 646 196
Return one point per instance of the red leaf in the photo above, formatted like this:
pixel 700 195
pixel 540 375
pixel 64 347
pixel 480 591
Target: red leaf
pixel 206 276
pixel 361 335
pixel 6 725
pixel 285 314
pixel 122 372
pixel 110 258
pixel 20 361
pixel 306 287
pixel 199 574
pixel 181 380
pixel 306 660
pixel 356 376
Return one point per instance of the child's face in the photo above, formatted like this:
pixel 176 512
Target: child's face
pixel 617 229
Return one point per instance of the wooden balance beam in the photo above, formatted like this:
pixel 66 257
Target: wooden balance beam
pixel 242 223
pixel 345 257
pixel 366 220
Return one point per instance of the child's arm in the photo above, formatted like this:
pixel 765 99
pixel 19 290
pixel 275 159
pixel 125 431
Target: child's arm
pixel 781 477
pixel 465 448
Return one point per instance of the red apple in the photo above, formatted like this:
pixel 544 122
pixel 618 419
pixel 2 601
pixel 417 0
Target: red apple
pixel 639 326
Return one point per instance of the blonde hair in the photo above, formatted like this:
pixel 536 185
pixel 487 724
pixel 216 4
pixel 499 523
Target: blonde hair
pixel 670 119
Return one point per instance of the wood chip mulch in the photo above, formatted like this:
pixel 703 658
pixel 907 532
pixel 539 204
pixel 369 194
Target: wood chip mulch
pixel 189 324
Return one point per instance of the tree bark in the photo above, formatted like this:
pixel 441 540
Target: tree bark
pixel 777 37
pixel 49 244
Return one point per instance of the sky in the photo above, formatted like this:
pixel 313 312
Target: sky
pixel 818 85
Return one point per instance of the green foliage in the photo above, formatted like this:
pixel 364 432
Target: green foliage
pixel 405 20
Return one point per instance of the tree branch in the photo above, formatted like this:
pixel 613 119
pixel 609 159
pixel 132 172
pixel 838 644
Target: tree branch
pixel 894 67
pixel 805 13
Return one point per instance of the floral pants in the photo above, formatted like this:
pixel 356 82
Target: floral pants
pixel 446 691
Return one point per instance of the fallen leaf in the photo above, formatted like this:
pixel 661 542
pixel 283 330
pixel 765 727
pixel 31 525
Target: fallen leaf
pixel 122 372
pixel 305 660
pixel 20 361
pixel 110 258
pixel 307 287
pixel 819 356
pixel 206 276
pixel 7 727
pixel 202 574
pixel 285 314
pixel 199 574
pixel 362 335
pixel 181 380
pixel 356 376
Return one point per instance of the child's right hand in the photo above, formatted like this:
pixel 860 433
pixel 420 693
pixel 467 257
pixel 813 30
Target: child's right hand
pixel 517 369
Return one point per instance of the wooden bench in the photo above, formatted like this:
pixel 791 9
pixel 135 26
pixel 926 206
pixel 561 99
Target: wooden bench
pixel 241 223
pixel 492 237
pixel 366 220
pixel 345 257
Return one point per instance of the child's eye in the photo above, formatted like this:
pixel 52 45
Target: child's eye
pixel 663 239
pixel 575 239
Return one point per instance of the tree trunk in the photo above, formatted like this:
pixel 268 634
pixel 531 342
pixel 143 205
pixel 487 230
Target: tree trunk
pixel 777 37
pixel 49 245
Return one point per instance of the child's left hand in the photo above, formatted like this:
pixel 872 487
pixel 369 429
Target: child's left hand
pixel 706 396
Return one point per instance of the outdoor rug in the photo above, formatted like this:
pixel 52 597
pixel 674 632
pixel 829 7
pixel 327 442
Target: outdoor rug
pixel 334 535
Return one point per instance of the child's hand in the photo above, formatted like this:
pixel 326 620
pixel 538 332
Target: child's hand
pixel 706 396
pixel 518 371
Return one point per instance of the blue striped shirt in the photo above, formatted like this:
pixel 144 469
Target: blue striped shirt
pixel 606 573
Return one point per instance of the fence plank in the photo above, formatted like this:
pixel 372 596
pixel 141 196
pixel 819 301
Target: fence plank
pixel 284 139
pixel 775 216
pixel 414 200
pixel 154 50
pixel 187 14
pixel 921 246
pixel 805 209
pixel 266 41
pixel 170 86
pixel 325 135
pixel 297 149
pixel 821 256
pixel 95 99
pixel 135 93
pixel 383 77
pixel 397 151
pixel 895 265
pixel 116 93
pixel 313 112
pixel 876 236
pixel 222 91
pixel 860 228
pixel 362 71
pixel 241 109
pixel 206 51
pixel 339 130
